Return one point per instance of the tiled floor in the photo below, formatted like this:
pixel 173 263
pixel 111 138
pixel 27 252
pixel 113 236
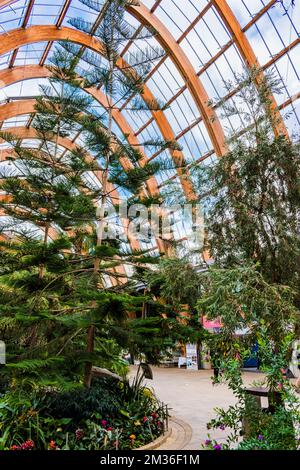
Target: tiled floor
pixel 192 398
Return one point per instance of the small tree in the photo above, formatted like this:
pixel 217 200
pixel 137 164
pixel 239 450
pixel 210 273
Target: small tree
pixel 252 197
pixel 49 190
pixel 243 300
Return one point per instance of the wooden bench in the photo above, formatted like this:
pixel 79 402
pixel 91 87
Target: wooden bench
pixel 274 397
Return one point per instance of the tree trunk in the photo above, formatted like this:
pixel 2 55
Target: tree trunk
pixel 100 231
pixel 90 349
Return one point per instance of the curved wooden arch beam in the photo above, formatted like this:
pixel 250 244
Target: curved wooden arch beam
pixel 10 110
pixel 27 72
pixel 5 3
pixel 13 75
pixel 188 73
pixel 27 106
pixel 249 57
pixel 16 108
pixel 30 133
pixel 20 37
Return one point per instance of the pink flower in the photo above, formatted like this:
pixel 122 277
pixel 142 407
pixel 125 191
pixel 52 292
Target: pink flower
pixel 103 422
pixel 207 442
pixel 14 447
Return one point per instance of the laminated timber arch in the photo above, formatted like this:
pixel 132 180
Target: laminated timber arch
pixel 30 133
pixel 10 110
pixel 27 106
pixel 249 57
pixel 42 33
pixel 148 18
pixel 186 69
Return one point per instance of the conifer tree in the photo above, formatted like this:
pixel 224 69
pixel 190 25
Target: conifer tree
pixel 54 266
pixel 119 79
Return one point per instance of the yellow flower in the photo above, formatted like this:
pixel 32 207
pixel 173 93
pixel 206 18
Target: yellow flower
pixel 147 392
pixel 14 383
pixel 132 437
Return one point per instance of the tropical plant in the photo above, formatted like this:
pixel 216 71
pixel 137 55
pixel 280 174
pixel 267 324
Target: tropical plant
pixel 64 285
pixel 109 415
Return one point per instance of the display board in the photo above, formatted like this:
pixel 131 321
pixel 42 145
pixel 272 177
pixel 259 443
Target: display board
pixel 191 356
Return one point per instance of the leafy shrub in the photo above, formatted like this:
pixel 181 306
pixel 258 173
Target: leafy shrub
pixel 109 415
pixel 275 432
pixel 82 403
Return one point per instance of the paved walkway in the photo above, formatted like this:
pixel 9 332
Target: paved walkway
pixel 192 398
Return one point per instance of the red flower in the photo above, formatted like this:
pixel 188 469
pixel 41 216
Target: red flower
pixel 27 445
pixel 145 419
pixel 52 445
pixel 110 428
pixel 154 415
pixel 79 433
pixel 103 422
pixel 14 447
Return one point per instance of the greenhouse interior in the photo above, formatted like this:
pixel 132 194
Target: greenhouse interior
pixel 150 226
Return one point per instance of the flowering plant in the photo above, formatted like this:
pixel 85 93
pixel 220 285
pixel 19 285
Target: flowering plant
pixel 107 417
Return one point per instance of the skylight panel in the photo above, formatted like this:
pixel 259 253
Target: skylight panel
pixel 45 12
pixel 11 16
pixel 245 10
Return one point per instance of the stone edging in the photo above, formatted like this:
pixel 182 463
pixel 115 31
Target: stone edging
pixel 159 441
pixel 187 430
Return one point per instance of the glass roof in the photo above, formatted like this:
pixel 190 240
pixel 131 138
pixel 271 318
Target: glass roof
pixel 204 31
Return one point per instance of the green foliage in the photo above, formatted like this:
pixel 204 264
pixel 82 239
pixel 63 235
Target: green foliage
pixel 252 206
pixel 176 281
pixel 109 415
pixel 244 300
pixel 81 404
pixel 251 195
pixel 272 432
pixel 53 264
